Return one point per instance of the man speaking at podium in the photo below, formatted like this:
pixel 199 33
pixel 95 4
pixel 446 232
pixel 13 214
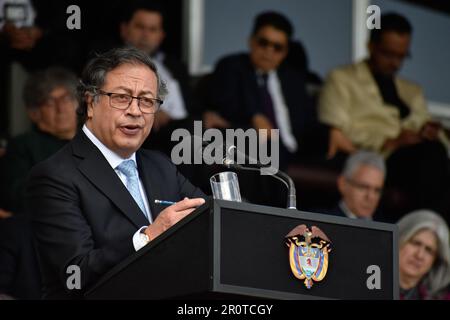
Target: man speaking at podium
pixel 93 203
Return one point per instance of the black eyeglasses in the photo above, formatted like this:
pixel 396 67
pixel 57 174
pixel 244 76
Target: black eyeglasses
pixel 123 101
pixel 264 43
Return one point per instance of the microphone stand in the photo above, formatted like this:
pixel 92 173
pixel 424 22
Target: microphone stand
pixel 279 175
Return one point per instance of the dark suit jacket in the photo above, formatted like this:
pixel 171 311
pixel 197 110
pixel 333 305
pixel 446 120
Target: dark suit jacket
pixel 235 94
pixel 335 211
pixel 22 153
pixel 83 214
pixel 19 271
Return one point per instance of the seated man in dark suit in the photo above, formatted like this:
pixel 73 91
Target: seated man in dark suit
pixel 360 184
pixel 258 90
pixel 93 202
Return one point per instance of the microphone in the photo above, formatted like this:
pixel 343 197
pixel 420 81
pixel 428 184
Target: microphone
pixel 231 152
pixel 226 157
pixel 229 162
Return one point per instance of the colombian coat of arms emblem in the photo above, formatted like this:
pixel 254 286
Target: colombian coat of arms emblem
pixel 308 253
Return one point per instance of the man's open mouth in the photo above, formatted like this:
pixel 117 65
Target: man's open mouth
pixel 130 129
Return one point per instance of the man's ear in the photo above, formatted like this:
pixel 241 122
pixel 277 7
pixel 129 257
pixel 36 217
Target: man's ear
pixel 124 31
pixel 90 105
pixel 285 53
pixel 163 35
pixel 341 184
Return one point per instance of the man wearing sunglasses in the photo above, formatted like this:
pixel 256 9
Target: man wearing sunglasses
pixel 368 106
pixel 259 90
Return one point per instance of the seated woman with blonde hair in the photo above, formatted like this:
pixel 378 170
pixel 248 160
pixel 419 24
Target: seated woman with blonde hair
pixel 424 257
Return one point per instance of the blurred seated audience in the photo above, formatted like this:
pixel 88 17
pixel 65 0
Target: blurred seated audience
pixel 257 90
pixel 50 99
pixel 360 185
pixel 35 33
pixel 368 106
pixel 423 256
pixel 18 30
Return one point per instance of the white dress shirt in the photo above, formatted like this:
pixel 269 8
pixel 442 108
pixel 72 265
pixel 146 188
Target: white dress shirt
pixel 173 104
pixel 281 111
pixel 114 161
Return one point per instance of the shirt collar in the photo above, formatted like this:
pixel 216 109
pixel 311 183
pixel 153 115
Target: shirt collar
pixel 259 75
pixel 113 158
pixel 259 72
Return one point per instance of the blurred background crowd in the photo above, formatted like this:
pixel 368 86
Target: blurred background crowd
pixel 360 137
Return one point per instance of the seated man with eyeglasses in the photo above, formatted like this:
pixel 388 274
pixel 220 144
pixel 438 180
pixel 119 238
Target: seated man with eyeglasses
pixel 93 202
pixel 51 103
pixel 360 185
pixel 368 106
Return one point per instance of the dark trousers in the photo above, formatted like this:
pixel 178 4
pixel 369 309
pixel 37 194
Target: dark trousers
pixel 19 270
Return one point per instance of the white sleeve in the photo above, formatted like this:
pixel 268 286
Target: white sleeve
pixel 138 242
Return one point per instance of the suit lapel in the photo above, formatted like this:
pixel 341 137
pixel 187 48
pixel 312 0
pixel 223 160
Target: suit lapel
pixel 97 170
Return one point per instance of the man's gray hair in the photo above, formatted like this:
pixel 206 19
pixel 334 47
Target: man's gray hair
pixel 439 276
pixel 40 84
pixel 360 158
pixel 96 70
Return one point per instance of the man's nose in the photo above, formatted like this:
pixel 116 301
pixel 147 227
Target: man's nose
pixel 134 109
pixel 61 106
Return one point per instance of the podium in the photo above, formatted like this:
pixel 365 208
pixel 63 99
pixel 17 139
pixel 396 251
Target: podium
pixel 238 250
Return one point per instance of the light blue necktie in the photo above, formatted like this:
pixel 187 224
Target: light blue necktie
pixel 128 168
